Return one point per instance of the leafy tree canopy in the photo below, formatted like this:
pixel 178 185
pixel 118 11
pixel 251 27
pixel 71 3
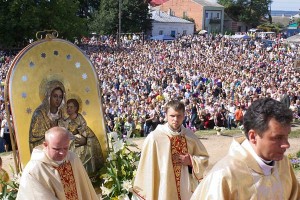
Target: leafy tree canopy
pixel 135 17
pixel 21 19
pixel 298 21
pixel 248 11
pixel 88 7
pixel 275 27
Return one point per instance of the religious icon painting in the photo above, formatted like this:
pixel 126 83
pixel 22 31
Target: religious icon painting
pixel 52 83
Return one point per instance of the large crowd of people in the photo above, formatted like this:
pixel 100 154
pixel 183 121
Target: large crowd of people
pixel 216 76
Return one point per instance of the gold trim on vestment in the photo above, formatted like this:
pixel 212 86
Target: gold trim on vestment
pixel 178 147
pixel 68 181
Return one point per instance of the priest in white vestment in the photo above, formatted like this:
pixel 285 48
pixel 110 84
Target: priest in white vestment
pixel 255 166
pixel 173 160
pixel 54 172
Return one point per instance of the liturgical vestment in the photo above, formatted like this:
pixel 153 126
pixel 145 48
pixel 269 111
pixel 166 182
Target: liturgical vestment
pixel 44 179
pixel 158 177
pixel 240 175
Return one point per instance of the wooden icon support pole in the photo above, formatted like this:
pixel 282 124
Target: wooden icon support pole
pixel 11 130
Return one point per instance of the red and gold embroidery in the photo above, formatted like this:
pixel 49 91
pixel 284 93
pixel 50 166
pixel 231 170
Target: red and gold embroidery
pixel 68 181
pixel 178 146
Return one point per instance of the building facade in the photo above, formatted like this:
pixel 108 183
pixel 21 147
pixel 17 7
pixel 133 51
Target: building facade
pixel 206 14
pixel 165 24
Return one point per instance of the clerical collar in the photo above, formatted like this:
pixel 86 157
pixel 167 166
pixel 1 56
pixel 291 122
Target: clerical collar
pixel 60 162
pixel 268 162
pixel 53 161
pixel 264 165
pixel 174 132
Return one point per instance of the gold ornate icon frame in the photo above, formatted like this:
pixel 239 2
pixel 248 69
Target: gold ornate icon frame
pixel 47 60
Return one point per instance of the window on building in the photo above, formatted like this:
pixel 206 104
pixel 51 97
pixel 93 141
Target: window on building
pixel 206 15
pixel 211 15
pixel 173 33
pixel 161 32
pixel 184 14
pixel 239 29
pixel 218 15
pixel 184 32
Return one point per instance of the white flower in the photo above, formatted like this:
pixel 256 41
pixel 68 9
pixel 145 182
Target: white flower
pixel 217 128
pixel 126 185
pixel 123 197
pixel 136 163
pixel 105 191
pixel 16 178
pixel 5 197
pixel 113 135
pixel 111 156
pixel 107 179
pixel 118 145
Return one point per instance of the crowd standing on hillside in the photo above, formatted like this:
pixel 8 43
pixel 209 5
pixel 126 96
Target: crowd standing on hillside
pixel 217 78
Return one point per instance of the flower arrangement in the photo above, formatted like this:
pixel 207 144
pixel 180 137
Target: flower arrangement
pixel 119 169
pixel 10 189
pixel 295 160
pixel 219 129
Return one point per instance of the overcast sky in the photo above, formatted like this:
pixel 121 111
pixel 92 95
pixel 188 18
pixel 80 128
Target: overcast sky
pixel 290 5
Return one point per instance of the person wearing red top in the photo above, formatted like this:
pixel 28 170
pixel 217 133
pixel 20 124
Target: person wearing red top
pixel 238 115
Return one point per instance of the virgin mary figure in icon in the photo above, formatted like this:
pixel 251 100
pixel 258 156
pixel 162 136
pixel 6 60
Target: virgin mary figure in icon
pixel 48 113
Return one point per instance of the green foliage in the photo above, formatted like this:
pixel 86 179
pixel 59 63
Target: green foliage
pixel 119 169
pixel 189 19
pixel 105 21
pixel 21 19
pixel 298 154
pixel 270 27
pixel 135 17
pixel 295 160
pixel 10 188
pixel 88 7
pixel 248 11
pixel 298 21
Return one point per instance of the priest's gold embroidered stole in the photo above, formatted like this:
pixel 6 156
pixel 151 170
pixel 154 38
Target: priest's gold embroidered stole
pixel 68 181
pixel 178 146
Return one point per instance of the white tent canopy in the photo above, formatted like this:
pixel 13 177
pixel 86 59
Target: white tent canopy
pixel 240 37
pixel 294 39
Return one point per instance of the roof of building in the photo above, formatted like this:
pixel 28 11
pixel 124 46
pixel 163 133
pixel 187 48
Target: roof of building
pixel 293 25
pixel 202 2
pixel 285 21
pixel 157 2
pixel 208 3
pixel 281 19
pixel 160 16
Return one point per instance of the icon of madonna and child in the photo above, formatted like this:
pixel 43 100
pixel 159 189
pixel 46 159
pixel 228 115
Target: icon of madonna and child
pixel 55 110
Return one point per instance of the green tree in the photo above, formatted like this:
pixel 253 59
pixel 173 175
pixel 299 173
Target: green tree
pixel 298 21
pixel 251 12
pixel 88 7
pixel 275 27
pixel 21 19
pixel 135 17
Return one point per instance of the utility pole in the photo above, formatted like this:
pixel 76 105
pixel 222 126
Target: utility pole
pixel 120 21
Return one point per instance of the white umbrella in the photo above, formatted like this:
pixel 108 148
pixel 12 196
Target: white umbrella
pixel 202 32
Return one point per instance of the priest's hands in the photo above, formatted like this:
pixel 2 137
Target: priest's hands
pixel 180 159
